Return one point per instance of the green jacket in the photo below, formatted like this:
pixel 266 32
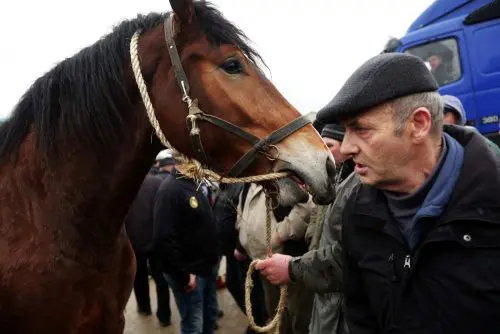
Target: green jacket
pixel 315 226
pixel 320 270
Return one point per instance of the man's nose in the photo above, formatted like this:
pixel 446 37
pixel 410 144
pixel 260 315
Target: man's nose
pixel 347 147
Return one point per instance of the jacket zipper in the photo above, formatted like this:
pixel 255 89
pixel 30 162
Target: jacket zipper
pixel 407 265
pixel 406 272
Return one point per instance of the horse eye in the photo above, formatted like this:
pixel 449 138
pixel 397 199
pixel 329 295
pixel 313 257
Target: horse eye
pixel 232 66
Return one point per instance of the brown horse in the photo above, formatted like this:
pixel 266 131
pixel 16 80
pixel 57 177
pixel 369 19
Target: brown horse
pixel 78 145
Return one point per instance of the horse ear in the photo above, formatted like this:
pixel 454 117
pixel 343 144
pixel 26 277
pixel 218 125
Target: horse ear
pixel 184 10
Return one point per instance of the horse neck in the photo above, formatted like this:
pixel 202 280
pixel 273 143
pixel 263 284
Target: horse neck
pixel 85 195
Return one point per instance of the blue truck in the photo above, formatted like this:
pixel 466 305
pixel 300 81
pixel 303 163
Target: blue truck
pixel 460 42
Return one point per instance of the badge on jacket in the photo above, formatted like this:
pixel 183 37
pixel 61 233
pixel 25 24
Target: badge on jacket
pixel 193 202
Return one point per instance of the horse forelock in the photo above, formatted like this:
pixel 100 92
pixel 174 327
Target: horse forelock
pixel 219 30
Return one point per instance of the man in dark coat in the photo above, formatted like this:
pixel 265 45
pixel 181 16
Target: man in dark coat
pixel 139 227
pixel 186 241
pixel 421 233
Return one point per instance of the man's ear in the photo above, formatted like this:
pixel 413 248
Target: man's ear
pixel 421 124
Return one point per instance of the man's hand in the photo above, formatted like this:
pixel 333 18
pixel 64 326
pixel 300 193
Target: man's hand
pixel 239 256
pixel 192 283
pixel 275 269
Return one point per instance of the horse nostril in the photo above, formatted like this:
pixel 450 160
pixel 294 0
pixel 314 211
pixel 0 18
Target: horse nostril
pixel 330 169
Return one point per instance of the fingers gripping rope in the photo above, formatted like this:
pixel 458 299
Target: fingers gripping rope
pixel 274 324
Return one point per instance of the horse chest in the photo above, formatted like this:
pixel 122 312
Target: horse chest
pixel 60 295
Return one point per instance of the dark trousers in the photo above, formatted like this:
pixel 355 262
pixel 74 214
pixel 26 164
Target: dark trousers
pixel 197 308
pixel 236 273
pixel 141 286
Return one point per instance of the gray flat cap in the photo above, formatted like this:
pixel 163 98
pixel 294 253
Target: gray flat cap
pixel 382 78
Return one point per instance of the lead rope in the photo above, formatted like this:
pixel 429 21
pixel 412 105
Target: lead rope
pixel 193 169
pixel 274 324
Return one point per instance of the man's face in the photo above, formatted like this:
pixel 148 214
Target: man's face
pixel 435 61
pixel 450 118
pixel 334 147
pixel 167 168
pixel 379 152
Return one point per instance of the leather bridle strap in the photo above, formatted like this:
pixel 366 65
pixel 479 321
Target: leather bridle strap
pixel 180 75
pixel 264 144
pixel 260 146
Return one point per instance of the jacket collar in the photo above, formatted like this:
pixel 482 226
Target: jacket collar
pixel 475 195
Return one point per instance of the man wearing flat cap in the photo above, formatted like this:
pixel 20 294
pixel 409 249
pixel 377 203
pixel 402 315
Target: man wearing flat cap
pixel 421 233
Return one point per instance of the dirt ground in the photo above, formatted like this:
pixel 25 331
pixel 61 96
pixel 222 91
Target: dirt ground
pixel 233 321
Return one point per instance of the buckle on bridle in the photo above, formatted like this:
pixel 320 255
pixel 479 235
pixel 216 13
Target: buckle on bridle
pixel 193 114
pixel 270 151
pixel 194 130
pixel 185 96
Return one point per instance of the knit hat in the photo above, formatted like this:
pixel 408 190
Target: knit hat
pixel 382 78
pixel 334 131
pixel 453 104
pixel 318 125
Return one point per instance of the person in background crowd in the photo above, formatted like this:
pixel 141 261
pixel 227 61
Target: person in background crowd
pixel 288 229
pixel 454 113
pixel 225 211
pixel 139 227
pixel 186 241
pixel 332 135
pixel 163 164
pixel 210 190
pixel 319 270
pixel 421 233
pixel 439 60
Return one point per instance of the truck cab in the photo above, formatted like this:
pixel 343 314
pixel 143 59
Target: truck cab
pixel 460 42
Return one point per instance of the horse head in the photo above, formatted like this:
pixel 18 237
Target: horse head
pixel 213 103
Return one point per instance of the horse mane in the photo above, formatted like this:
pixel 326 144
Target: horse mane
pixel 84 99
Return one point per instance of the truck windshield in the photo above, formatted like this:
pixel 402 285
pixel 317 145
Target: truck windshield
pixel 442 59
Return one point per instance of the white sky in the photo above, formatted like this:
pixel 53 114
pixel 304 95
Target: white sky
pixel 311 47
